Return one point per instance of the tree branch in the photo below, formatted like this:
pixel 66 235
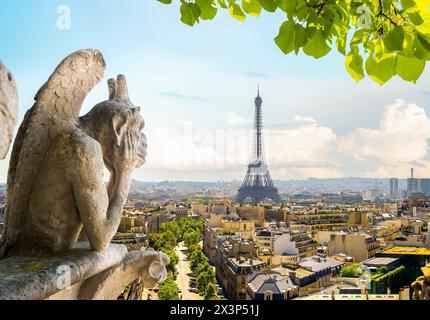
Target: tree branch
pixel 383 14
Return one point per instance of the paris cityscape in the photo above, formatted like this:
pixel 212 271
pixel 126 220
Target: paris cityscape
pixel 329 239
pixel 178 151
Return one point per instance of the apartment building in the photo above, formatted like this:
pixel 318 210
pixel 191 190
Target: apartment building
pixel 236 262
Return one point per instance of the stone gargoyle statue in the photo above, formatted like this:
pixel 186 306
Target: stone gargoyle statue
pixel 55 187
pixel 421 287
pixel 8 109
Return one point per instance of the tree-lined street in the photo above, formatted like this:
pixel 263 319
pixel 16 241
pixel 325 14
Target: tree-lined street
pixel 183 279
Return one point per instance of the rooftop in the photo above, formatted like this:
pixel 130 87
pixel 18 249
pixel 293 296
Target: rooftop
pixel 317 264
pixel 401 250
pixel 246 262
pixel 300 272
pixel 379 261
pixel 274 283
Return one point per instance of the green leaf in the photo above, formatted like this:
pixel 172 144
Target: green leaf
pixel 286 37
pixel 406 4
pixel 269 5
pixel 236 12
pixel 409 68
pixel 381 71
pixel 393 41
pixel 207 10
pixel 222 4
pixel 420 51
pixel 341 43
pixel 252 7
pixel 415 17
pixel 317 46
pixel 188 14
pixel 424 41
pixel 165 1
pixel 354 65
pixel 301 37
pixel 288 6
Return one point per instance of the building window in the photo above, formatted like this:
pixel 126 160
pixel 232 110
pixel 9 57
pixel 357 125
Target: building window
pixel 268 296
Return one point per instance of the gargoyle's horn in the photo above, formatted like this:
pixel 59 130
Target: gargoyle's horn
pixel 112 88
pixel 121 88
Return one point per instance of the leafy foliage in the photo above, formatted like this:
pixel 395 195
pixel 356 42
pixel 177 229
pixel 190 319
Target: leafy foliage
pixel 191 238
pixel 197 259
pixel 166 241
pixel 168 290
pixel 380 38
pixel 204 279
pixel 211 292
pixel 205 275
pixel 394 280
pixel 351 271
pixel 188 225
pixel 172 227
pixel 174 259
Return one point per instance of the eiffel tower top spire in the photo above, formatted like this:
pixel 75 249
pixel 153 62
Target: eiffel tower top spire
pixel 258 99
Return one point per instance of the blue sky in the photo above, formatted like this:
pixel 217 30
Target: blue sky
pixel 196 82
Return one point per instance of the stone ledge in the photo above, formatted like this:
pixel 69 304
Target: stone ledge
pixel 23 278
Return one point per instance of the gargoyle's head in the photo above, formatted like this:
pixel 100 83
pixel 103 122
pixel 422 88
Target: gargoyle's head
pixel 8 109
pixel 111 120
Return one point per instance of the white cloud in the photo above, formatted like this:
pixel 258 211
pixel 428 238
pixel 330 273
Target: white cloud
pixel 401 137
pixel 400 142
pixel 306 143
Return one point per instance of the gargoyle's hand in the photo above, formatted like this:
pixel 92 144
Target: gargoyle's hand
pixel 154 271
pixel 126 155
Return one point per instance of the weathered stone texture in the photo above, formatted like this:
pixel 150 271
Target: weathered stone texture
pixel 8 109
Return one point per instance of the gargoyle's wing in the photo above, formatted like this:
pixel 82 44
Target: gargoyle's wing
pixel 57 107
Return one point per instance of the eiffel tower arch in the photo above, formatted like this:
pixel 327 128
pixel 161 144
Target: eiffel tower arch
pixel 258 185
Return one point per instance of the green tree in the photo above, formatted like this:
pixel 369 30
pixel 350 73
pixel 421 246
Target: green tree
pixel 197 259
pixel 380 38
pixel 191 238
pixel 351 271
pixel 193 248
pixel 171 226
pixel 187 225
pixel 204 279
pixel 174 259
pixel 203 267
pixel 211 292
pixel 168 290
pixel 168 240
pixel 382 270
pixel 154 241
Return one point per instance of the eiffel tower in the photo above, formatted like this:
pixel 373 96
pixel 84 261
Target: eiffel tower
pixel 258 184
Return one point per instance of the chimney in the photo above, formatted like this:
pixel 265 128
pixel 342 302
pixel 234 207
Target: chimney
pixel 412 173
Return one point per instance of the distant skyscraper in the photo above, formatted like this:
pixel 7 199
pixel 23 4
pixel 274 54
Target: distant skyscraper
pixel 412 184
pixel 258 184
pixel 424 186
pixel 394 188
